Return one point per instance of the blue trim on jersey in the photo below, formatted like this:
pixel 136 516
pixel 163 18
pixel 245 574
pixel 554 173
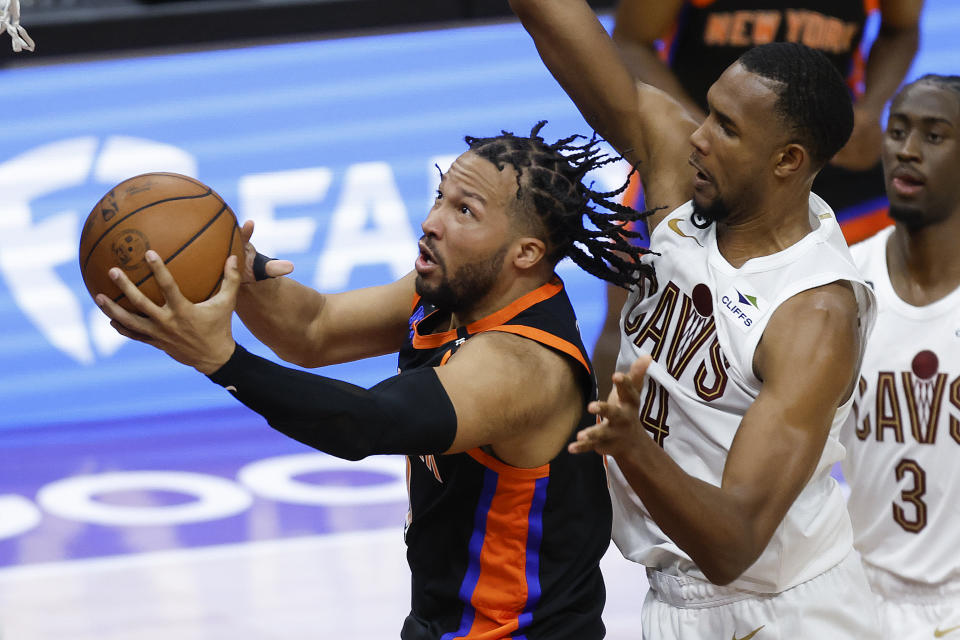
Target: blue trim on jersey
pixel 472 576
pixel 861 208
pixel 534 538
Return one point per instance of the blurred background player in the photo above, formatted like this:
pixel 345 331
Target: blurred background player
pixel 903 437
pixel 743 349
pixel 682 47
pixel 506 528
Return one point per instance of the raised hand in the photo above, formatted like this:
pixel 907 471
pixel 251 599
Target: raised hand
pixel 619 424
pixel 198 335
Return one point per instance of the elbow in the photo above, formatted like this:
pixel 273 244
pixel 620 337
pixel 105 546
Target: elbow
pixel 729 564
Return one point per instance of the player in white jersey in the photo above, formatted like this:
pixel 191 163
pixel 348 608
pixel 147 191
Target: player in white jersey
pixel 903 438
pixel 752 320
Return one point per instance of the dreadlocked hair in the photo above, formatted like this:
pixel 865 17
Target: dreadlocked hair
pixel 551 194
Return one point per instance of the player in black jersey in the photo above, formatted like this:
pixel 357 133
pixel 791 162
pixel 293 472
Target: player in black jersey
pixel 506 528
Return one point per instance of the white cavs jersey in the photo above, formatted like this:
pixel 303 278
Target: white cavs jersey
pixel 701 320
pixel 903 439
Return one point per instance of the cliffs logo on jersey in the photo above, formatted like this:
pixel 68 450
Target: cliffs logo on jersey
pixel 745 307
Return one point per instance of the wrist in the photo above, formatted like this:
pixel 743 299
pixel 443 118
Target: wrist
pixel 217 360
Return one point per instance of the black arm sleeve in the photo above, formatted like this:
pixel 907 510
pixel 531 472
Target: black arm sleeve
pixel 410 413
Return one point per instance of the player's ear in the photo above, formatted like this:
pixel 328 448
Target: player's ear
pixel 528 252
pixel 790 159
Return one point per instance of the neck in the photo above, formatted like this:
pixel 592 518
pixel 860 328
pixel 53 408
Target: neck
pixel 923 264
pixel 765 230
pixel 500 296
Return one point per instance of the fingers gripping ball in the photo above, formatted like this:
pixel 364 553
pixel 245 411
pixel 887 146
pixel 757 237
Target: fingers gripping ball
pixel 183 220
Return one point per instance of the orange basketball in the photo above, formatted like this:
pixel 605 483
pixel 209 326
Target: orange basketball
pixel 183 220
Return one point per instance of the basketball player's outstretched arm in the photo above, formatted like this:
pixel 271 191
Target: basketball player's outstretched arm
pixel 498 390
pixel 312 329
pixel 807 360
pixel 648 127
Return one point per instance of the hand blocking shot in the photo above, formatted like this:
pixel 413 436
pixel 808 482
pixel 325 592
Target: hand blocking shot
pixel 506 527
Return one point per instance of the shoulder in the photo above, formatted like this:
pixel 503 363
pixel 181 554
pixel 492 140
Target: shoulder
pixel 825 313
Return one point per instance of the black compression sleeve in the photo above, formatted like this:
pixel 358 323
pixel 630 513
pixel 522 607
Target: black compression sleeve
pixel 410 413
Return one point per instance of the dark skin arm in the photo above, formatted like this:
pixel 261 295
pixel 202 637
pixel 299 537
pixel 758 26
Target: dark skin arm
pixel 887 64
pixel 316 329
pixel 509 393
pixel 774 452
pixel 639 120
pixel 638 25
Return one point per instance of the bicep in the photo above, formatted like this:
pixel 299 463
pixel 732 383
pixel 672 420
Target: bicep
pixel 364 322
pixel 501 385
pixel 901 14
pixel 807 359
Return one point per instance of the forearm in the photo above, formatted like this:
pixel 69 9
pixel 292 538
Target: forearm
pixel 707 522
pixel 645 65
pixel 409 414
pixel 280 313
pixel 581 56
pixel 890 58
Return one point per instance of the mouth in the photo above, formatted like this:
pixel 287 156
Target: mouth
pixel 701 175
pixel 905 182
pixel 426 260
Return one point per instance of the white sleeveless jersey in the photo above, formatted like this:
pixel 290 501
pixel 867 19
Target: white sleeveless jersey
pixel 903 438
pixel 702 325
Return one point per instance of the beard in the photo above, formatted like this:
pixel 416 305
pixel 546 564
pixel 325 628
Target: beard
pixel 913 218
pixel 466 287
pixel 704 216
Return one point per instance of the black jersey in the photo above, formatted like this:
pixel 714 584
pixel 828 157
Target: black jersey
pixel 711 35
pixel 497 551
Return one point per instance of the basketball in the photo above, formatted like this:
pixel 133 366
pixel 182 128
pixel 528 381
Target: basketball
pixel 183 220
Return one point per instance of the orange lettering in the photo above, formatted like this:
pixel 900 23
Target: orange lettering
pixel 738 30
pixel 813 31
pixel 795 21
pixel 765 27
pixel 717 31
pixel 848 32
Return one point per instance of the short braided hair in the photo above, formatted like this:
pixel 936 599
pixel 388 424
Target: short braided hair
pixel 552 197
pixel 812 98
pixel 945 82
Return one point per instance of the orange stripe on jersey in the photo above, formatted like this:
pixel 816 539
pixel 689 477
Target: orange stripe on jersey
pixel 862 227
pixel 870 6
pixel 541 293
pixel 532 473
pixel 541 336
pixel 445 357
pixel 503 589
pixel 700 4
pixel 416 301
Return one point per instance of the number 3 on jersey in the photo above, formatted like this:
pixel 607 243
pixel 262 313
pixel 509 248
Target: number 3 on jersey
pixel 911 496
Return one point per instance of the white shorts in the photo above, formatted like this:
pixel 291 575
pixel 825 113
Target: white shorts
pixel 915 611
pixel 836 605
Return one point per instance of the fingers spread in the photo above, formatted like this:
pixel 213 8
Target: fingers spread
pixel 136 297
pixel 168 286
